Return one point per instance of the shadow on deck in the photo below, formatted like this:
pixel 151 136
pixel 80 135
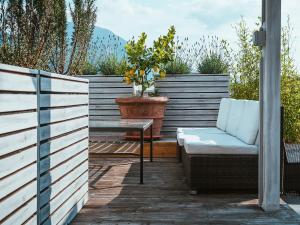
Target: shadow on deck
pixel 117 198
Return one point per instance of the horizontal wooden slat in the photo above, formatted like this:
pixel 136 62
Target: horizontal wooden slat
pixel 70 215
pixel 17 102
pixel 16 141
pixel 56 100
pixel 66 180
pixel 67 206
pixel 61 114
pixel 59 85
pixel 199 89
pixel 175 101
pixel 63 77
pixel 17 69
pixel 19 160
pixel 95 118
pixel 15 122
pixel 185 123
pixel 56 129
pixel 191 112
pixel 190 118
pixel 173 84
pixel 111 95
pixel 202 124
pixel 17 199
pixel 189 78
pixel 63 169
pixel 17 180
pixel 104 107
pixel 102 101
pixel 60 156
pixel 32 220
pixel 63 196
pixel 111 90
pixel 197 95
pixel 57 144
pixel 21 215
pixel 109 85
pixel 192 106
pixel 168 112
pixel 17 82
pixel 103 79
pixel 104 112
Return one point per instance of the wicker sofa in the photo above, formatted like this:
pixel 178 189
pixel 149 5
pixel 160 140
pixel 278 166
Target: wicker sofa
pixel 223 158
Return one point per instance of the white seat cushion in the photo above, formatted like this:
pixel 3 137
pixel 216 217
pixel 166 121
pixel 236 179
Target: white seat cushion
pixel 223 113
pixel 249 123
pixel 189 132
pixel 235 115
pixel 217 144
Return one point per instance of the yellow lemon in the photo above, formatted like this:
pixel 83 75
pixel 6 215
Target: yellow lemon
pixel 142 72
pixel 127 80
pixel 131 72
pixel 162 74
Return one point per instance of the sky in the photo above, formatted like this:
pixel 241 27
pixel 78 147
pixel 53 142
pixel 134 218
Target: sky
pixel 191 18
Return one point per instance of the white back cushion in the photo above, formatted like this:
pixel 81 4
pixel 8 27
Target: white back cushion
pixel 235 116
pixel 249 123
pixel 223 113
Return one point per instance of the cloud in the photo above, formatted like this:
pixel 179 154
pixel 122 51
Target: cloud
pixel 192 18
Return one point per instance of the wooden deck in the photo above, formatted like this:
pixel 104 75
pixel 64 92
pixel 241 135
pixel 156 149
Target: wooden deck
pixel 117 198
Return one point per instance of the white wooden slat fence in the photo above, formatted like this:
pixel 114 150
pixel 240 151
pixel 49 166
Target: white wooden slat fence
pixel 43 146
pixel 193 99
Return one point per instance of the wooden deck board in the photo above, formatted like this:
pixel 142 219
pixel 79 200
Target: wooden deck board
pixel 117 198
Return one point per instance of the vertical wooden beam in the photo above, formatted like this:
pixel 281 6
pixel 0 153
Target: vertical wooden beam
pixel 271 107
pixel 261 81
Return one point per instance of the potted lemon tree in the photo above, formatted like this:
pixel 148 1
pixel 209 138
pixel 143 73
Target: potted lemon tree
pixel 145 67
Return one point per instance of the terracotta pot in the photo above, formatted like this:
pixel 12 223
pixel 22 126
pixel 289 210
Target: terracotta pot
pixel 143 108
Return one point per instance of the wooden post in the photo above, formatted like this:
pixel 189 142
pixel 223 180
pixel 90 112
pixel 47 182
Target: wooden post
pixel 270 133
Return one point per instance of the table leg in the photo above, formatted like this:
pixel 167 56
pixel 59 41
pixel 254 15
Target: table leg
pixel 151 143
pixel 141 157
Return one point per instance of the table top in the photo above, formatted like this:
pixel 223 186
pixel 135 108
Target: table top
pixel 121 125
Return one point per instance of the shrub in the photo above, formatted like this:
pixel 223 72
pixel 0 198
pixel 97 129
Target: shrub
pixel 177 66
pixel 212 64
pixel 111 65
pixel 89 69
pixel 245 77
pixel 146 65
pixel 213 58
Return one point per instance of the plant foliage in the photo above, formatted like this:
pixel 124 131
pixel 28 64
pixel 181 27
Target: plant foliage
pixel 146 64
pixel 111 65
pixel 33 34
pixel 213 56
pixel 245 77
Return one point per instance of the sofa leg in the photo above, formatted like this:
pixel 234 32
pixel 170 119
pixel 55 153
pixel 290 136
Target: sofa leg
pixel 178 151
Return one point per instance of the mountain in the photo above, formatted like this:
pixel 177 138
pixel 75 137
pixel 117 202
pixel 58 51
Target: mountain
pixel 103 42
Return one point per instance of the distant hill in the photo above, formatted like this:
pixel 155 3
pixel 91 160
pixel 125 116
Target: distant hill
pixel 104 41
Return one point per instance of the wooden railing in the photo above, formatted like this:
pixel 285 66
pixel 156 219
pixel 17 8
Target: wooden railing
pixel 43 146
pixel 194 99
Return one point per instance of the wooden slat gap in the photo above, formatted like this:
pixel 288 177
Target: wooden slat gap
pixel 62 107
pixel 74 118
pixel 12 213
pixel 63 162
pixel 16 152
pixel 63 148
pixel 16 190
pixel 49 187
pixel 61 135
pixel 75 191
